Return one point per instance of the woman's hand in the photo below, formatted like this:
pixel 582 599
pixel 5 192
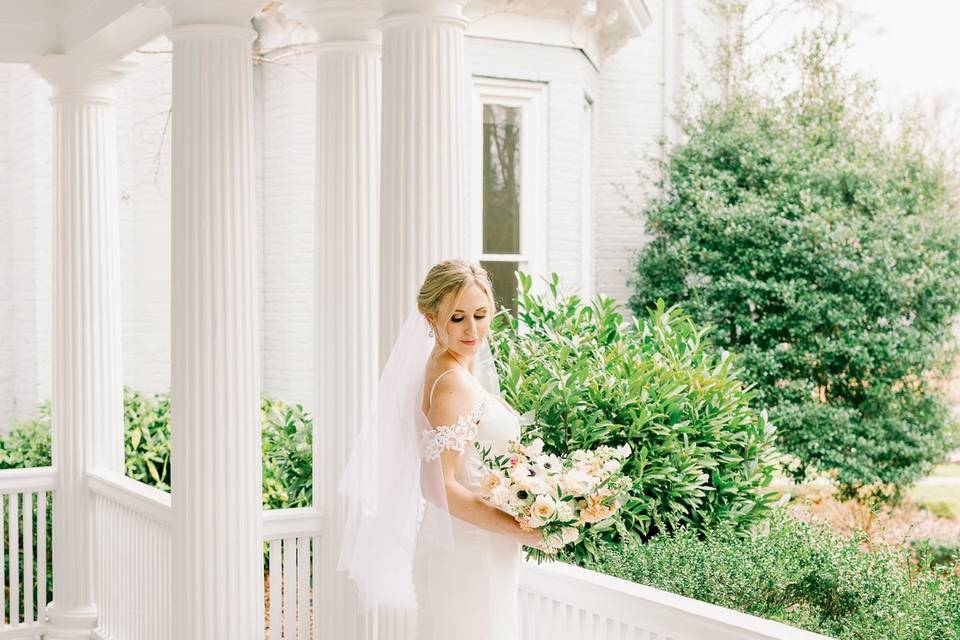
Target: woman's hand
pixel 533 538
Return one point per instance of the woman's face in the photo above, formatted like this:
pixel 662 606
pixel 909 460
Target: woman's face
pixel 470 322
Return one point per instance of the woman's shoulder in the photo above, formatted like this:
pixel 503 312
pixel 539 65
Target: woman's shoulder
pixel 454 393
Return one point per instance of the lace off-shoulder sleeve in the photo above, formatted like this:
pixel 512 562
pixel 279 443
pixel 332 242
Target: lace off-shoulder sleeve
pixel 433 440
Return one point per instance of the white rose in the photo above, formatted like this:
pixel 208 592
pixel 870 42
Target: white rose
pixel 566 510
pixel 544 508
pixel 576 482
pixel 611 466
pixel 569 535
pixel 537 485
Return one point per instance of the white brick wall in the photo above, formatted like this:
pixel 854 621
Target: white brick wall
pixel 633 112
pixel 143 150
pixel 287 162
pixel 25 218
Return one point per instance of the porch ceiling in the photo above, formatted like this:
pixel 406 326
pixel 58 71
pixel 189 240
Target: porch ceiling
pixel 110 29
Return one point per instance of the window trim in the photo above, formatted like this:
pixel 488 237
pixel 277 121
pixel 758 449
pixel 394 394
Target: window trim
pixel 531 98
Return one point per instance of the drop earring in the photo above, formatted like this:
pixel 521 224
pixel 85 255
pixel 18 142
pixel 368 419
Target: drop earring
pixel 430 333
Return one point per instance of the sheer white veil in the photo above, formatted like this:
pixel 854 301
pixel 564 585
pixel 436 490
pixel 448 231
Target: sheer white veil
pixel 389 487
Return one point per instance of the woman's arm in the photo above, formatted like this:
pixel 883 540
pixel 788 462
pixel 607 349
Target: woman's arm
pixel 453 398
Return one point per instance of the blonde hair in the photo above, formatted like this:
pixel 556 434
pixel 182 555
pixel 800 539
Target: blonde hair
pixel 450 276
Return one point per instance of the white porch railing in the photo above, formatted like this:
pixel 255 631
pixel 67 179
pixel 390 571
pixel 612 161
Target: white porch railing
pixel 133 581
pixel 563 602
pixel 291 535
pixel 24 497
pixel 131 546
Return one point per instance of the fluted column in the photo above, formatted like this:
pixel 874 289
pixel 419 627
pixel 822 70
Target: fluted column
pixel 87 417
pixel 345 283
pixel 424 210
pixel 215 374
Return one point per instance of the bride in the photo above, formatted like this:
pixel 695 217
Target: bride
pixel 418 536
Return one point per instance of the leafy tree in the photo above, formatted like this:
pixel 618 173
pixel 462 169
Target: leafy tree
pixel 825 250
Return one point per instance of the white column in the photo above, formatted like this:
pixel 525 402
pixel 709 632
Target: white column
pixel 87 407
pixel 424 210
pixel 217 562
pixel 346 276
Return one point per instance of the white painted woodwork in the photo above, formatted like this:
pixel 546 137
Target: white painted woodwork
pixel 295 610
pixel 131 551
pixel 564 602
pixel 215 359
pixel 423 192
pixel 87 405
pixel 345 270
pixel 23 584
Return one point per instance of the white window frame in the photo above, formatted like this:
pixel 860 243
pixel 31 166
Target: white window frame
pixel 587 266
pixel 531 98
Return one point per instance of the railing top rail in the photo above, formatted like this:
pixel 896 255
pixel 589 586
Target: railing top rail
pixel 291 523
pixel 137 496
pixel 650 608
pixel 29 479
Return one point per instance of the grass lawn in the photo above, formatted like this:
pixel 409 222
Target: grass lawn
pixel 947 469
pixel 942 501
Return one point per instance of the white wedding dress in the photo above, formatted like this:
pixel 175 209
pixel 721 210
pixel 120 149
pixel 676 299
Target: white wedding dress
pixel 469 592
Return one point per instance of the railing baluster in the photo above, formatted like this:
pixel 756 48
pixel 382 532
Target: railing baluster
pixel 275 588
pixel 3 574
pixel 41 556
pixel 14 535
pixel 28 557
pixel 303 588
pixel 289 589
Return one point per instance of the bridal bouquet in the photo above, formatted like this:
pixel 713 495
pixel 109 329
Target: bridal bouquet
pixel 561 497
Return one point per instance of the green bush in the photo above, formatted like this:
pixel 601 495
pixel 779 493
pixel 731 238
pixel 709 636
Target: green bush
pixel 826 254
pixel 27 444
pixel 286 446
pixel 799 574
pixel 700 455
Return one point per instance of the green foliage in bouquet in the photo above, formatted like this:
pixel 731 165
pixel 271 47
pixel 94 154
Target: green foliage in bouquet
pixel 700 455
pixel 803 575
pixel 826 253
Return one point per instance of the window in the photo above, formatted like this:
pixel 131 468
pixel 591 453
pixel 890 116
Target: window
pixel 508 228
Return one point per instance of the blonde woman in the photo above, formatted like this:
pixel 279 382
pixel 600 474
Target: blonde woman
pixel 419 537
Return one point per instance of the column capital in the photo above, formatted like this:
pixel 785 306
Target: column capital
pixel 398 12
pixel 79 79
pixel 225 12
pixel 338 20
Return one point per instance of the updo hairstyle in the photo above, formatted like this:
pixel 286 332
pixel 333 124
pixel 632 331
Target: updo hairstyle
pixel 450 276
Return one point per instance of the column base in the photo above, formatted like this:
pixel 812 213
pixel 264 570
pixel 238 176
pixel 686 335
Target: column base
pixel 76 623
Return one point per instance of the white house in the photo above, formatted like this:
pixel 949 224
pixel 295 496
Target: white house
pixel 191 203
pixel 590 88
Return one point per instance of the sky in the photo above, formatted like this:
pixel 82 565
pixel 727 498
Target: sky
pixel 912 48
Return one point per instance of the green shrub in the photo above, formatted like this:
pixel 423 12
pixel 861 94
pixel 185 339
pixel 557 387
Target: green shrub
pixel 700 455
pixel 286 446
pixel 287 455
pixel 826 254
pixel 799 574
pixel 147 437
pixel 27 444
